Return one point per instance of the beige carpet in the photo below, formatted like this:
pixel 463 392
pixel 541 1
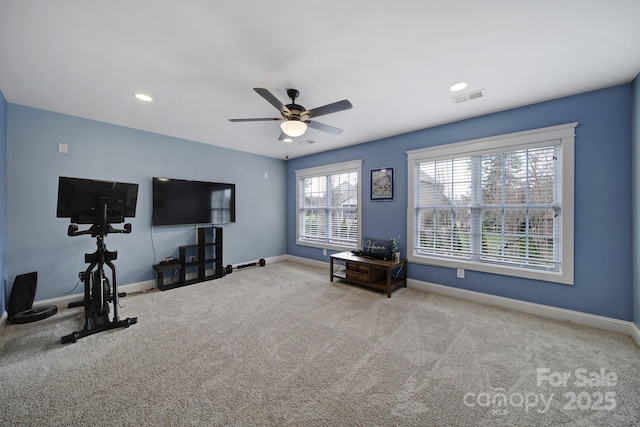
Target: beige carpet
pixel 281 345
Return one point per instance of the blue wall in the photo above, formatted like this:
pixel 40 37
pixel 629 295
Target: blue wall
pixel 3 204
pixel 603 220
pixel 37 240
pixel 636 199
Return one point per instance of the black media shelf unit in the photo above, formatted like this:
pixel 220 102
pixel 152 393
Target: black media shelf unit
pixel 208 256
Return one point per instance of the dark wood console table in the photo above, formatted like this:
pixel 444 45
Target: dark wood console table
pixel 374 273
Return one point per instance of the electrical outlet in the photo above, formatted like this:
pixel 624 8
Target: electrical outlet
pixel 460 273
pixel 324 252
pixel 192 258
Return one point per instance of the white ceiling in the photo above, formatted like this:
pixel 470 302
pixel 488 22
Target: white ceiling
pixel 394 60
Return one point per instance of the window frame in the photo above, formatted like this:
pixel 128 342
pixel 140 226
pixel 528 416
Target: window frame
pixel 562 135
pixel 327 170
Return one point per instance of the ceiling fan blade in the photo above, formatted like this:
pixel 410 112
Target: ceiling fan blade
pixel 323 127
pixel 329 108
pixel 255 120
pixel 271 99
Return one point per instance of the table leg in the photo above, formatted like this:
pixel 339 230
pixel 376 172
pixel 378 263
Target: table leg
pixel 404 274
pixel 389 274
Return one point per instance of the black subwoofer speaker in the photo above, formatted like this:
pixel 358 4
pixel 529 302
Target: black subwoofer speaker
pixel 20 308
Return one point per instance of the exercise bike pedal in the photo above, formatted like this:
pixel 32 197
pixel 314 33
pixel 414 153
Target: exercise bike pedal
pixel 71 338
pixel 122 294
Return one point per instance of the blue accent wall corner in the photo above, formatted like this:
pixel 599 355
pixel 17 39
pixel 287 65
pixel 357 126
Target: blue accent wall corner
pixel 635 120
pixel 603 242
pixel 3 204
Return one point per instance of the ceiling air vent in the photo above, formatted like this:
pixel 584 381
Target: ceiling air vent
pixel 469 96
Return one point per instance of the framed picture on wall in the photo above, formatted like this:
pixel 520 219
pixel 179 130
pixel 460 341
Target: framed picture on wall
pixel 382 183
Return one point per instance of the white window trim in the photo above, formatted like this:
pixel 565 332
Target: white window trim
pixel 527 139
pixel 351 166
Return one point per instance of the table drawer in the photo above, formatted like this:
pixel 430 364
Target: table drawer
pixel 357 275
pixel 357 267
pixel 364 273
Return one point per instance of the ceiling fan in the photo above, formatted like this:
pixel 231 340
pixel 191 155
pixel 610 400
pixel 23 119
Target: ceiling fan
pixel 295 118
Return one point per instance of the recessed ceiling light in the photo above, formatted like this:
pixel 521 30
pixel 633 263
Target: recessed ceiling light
pixel 143 97
pixel 458 86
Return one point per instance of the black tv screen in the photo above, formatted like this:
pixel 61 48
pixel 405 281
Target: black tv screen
pixel 82 200
pixel 177 202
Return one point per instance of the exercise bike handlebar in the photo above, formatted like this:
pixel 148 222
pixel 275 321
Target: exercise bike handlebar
pixel 96 230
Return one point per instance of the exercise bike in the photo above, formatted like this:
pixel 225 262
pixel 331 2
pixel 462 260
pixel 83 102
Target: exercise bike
pixel 99 292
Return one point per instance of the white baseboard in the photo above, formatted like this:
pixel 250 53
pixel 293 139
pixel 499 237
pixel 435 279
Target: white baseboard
pixel 3 320
pixel 578 317
pixel 267 260
pixel 635 333
pixel 308 261
pixel 600 322
pixel 63 302
pixel 145 286
pixel 270 260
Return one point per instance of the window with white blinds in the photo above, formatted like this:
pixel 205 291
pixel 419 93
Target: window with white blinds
pixel 502 205
pixel 328 213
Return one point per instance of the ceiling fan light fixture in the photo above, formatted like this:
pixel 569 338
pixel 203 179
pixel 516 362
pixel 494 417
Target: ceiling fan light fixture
pixel 293 128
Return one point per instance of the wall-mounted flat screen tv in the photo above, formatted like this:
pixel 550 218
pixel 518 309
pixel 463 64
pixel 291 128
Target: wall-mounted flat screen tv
pixel 83 200
pixel 178 201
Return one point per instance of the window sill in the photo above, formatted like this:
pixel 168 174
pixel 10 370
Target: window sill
pixel 562 277
pixel 324 245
